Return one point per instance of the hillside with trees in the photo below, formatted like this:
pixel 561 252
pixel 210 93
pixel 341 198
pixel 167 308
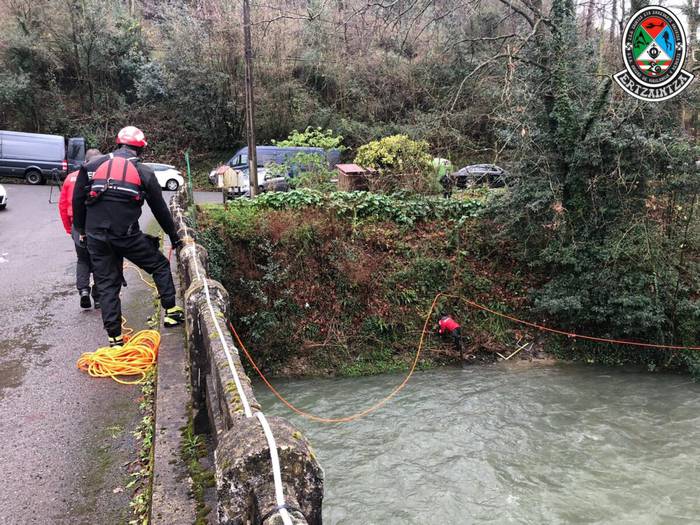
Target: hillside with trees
pixel 604 215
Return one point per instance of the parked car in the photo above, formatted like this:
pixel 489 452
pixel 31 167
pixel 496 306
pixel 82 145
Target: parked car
pixel 34 156
pixel 168 177
pixel 476 174
pixel 3 197
pixel 267 155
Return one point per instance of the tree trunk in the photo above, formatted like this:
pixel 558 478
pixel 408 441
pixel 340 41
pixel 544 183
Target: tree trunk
pixel 588 22
pixel 613 21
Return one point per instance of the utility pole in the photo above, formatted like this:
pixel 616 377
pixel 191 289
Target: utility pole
pixel 249 105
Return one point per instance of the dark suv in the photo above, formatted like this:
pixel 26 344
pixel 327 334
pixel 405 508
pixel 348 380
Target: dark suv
pixel 480 174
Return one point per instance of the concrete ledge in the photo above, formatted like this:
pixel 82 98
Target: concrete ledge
pixel 172 502
pixel 245 484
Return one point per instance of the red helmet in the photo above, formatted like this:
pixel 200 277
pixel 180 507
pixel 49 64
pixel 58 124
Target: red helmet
pixel 132 136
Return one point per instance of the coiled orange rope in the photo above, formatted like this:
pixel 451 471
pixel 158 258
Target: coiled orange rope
pixel 135 358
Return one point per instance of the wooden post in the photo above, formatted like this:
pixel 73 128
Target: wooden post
pixel 249 101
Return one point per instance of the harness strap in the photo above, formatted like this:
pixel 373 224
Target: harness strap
pixel 126 166
pixel 115 184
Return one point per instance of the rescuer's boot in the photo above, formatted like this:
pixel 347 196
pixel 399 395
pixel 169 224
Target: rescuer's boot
pixel 174 316
pixel 116 341
pixel 85 298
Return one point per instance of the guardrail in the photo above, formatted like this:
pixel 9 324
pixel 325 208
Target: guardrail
pixel 266 472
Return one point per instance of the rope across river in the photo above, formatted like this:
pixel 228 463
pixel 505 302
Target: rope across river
pixel 414 363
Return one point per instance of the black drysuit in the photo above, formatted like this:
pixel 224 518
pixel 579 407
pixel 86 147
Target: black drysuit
pixel 113 233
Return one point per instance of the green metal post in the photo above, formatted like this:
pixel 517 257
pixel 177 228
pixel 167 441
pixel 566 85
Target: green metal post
pixel 191 192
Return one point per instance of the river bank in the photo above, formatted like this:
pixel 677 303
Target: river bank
pixel 341 284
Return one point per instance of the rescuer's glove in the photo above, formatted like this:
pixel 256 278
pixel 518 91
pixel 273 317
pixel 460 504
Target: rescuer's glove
pixel 176 243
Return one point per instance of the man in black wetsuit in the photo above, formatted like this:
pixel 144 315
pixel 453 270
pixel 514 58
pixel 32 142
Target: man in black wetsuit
pixel 107 200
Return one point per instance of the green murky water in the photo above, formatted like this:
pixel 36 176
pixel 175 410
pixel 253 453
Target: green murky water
pixel 496 444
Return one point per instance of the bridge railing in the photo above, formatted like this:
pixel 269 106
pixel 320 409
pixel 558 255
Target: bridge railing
pixel 266 472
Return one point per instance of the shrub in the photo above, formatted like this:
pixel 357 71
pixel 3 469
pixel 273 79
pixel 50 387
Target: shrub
pixel 312 137
pixel 360 206
pixel 402 163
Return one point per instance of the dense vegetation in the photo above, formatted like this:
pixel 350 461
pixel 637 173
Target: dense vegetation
pixel 451 72
pixel 603 219
pixel 340 282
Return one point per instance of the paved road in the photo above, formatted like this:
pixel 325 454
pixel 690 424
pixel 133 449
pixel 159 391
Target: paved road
pixel 65 439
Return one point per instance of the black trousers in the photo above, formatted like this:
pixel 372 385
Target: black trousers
pixel 83 267
pixel 456 335
pixel 107 251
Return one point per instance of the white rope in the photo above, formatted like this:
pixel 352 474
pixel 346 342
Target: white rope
pixel 272 445
pixel 229 358
pixel 276 472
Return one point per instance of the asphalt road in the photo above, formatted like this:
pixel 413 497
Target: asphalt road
pixel 65 438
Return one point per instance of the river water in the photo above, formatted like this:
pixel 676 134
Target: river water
pixel 540 444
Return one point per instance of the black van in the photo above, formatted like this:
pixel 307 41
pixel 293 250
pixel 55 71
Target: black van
pixel 34 156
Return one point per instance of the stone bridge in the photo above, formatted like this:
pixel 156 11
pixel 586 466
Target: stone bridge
pixel 266 472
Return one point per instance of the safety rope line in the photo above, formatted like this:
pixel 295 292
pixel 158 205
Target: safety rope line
pixel 271 443
pixel 403 383
pixel 229 358
pixel 356 415
pixel 571 335
pixel 276 472
pixel 150 284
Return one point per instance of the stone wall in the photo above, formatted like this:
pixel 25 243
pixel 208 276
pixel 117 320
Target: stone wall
pixel 224 404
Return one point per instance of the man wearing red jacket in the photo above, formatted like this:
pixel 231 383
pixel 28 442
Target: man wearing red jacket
pixel 83 268
pixel 447 324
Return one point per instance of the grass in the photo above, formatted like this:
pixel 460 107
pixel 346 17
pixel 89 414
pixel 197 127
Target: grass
pixel 193 449
pixel 142 480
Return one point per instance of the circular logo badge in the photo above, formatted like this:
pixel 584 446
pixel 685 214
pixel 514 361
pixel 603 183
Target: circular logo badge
pixel 653 46
pixel 653 51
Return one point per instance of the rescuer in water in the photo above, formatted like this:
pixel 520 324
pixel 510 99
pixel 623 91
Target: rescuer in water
pixel 83 267
pixel 107 200
pixel 447 324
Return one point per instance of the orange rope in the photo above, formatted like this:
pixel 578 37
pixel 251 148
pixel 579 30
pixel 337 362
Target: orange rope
pixel 398 388
pixel 357 415
pixel 134 358
pixel 569 334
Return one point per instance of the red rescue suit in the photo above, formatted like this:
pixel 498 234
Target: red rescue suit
pixel 449 324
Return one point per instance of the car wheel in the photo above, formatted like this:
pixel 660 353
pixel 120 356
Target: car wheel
pixel 172 185
pixel 2 206
pixel 34 177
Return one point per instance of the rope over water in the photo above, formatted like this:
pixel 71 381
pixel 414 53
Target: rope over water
pixel 403 383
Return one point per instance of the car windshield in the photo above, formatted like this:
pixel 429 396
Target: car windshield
pixel 240 160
